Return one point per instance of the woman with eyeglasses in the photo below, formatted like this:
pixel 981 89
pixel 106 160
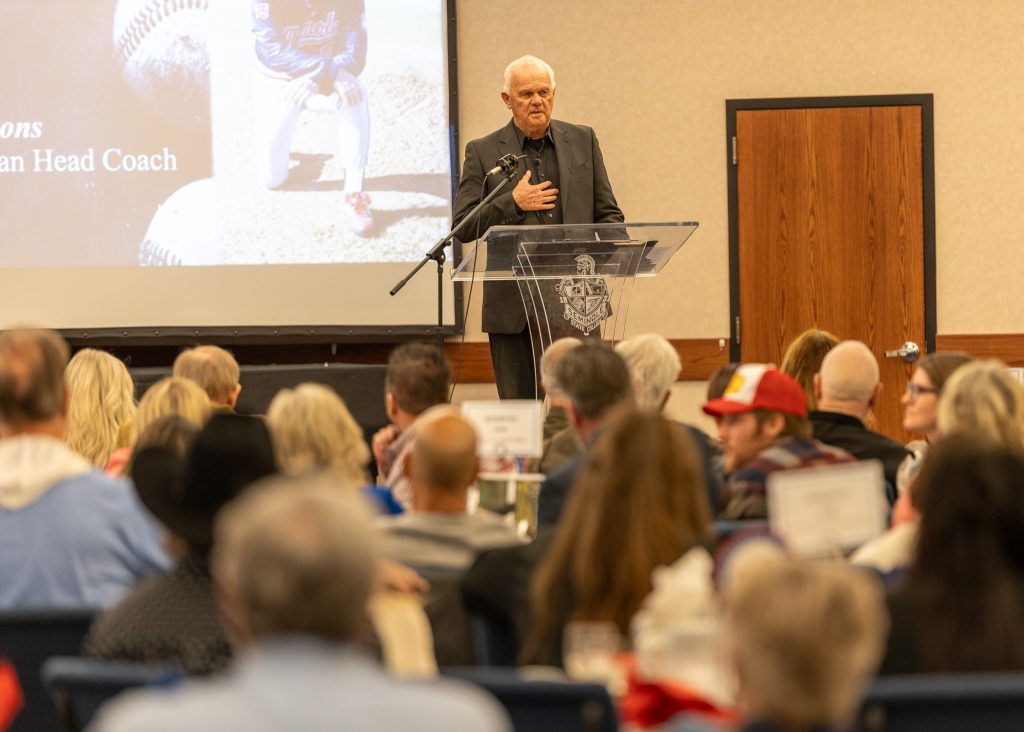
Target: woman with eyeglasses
pixel 890 551
pixel 920 416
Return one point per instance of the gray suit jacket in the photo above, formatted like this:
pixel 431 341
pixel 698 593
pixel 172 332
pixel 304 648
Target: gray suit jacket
pixel 585 192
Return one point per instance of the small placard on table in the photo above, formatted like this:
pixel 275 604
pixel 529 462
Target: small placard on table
pixel 827 510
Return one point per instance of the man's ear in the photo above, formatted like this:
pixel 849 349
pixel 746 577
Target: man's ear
pixel 505 97
pixel 817 387
pixel 774 425
pixel 230 611
pixel 233 396
pixel 575 419
pixel 390 406
pixel 875 394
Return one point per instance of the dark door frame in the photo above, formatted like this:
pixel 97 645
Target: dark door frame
pixel 925 102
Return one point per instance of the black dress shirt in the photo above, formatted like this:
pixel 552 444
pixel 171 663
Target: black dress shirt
pixel 542 161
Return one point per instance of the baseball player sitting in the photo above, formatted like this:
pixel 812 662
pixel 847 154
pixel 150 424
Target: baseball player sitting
pixel 310 54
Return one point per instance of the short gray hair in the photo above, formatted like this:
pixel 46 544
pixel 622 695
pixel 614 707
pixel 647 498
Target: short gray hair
pixel 653 367
pixel 297 556
pixel 550 358
pixel 522 62
pixel 809 636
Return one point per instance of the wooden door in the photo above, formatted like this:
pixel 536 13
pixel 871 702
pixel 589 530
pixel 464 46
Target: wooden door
pixel 830 218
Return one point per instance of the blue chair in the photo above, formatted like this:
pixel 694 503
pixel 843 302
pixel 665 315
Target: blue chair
pixel 992 702
pixel 543 705
pixel 493 641
pixel 27 639
pixel 80 686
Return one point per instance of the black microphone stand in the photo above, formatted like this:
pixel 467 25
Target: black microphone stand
pixel 437 253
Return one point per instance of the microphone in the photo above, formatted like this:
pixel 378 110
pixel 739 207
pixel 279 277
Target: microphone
pixel 506 164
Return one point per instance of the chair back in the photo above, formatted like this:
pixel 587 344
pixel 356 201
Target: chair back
pixel 27 639
pixel 993 702
pixel 494 642
pixel 80 686
pixel 536 705
pixel 449 621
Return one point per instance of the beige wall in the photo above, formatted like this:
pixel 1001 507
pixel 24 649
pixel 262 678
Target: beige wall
pixel 652 78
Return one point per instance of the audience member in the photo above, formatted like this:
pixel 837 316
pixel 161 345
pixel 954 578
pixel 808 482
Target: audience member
pixel 294 568
pixel 638 503
pixel 719 380
pixel 167 397
pixel 437 531
pixel 101 403
pixel 437 535
pixel 716 388
pixel 561 443
pixel 172 619
pixel 980 399
pixel 803 357
pixel 846 389
pixel 806 641
pixel 654 367
pixel 595 381
pixel 69 536
pixel 961 605
pixel 313 430
pixel 417 379
pixel 215 370
pixel 920 416
pixel 762 423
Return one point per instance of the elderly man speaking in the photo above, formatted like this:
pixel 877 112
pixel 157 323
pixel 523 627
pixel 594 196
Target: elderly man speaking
pixel 561 179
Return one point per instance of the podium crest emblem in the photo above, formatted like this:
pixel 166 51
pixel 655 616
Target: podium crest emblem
pixel 585 296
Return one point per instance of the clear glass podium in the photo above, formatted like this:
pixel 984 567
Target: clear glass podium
pixel 574 280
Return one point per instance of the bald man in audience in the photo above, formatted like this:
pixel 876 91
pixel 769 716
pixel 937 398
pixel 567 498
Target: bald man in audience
pixel 69 535
pixel 215 370
pixel 437 531
pixel 846 388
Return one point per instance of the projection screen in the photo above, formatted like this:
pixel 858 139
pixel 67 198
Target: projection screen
pixel 175 164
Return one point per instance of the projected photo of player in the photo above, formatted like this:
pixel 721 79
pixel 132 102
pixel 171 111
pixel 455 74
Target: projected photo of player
pixel 309 55
pixel 295 88
pixel 215 134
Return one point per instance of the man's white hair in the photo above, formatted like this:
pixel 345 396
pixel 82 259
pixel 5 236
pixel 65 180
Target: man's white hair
pixel 653 367
pixel 550 358
pixel 523 62
pixel 849 373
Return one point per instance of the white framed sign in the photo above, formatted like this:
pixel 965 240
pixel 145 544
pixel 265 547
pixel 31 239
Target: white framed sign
pixel 827 510
pixel 507 428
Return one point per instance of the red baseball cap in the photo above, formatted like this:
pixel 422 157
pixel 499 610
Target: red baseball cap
pixel 759 386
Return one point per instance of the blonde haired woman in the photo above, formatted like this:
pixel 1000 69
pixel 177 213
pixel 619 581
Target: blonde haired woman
pixel 101 400
pixel 803 358
pixel 170 396
pixel 313 429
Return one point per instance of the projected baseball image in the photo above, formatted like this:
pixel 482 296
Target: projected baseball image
pixel 211 132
